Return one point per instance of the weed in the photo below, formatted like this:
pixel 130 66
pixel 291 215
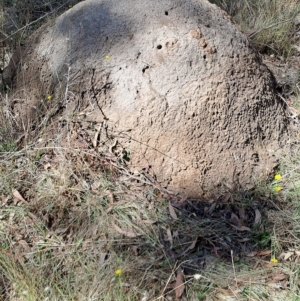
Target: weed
pixel 8 146
pixel 263 240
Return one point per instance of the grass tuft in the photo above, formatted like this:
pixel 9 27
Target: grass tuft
pixel 270 24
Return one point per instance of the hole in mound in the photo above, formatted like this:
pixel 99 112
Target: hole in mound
pixel 159 47
pixel 204 56
pixel 166 13
pixel 145 68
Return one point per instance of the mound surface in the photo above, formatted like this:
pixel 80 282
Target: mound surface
pixel 170 86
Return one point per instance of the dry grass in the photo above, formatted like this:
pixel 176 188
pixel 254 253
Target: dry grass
pixel 23 17
pixel 83 217
pixel 64 236
pixel 19 19
pixel 270 24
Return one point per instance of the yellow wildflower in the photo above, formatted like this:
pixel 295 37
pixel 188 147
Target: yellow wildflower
pixel 277 177
pixel 107 57
pixel 49 97
pixel 118 272
pixel 278 188
pixel 274 260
